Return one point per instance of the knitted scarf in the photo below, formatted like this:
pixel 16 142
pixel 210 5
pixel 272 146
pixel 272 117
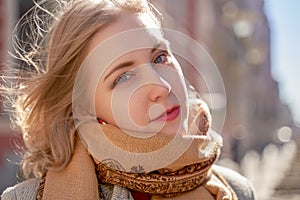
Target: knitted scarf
pixel 98 172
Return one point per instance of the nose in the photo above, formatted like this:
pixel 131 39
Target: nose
pixel 158 87
pixel 159 90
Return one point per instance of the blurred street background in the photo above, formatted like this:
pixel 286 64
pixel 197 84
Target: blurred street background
pixel 254 44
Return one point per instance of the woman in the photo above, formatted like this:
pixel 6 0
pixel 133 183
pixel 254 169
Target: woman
pixel 106 113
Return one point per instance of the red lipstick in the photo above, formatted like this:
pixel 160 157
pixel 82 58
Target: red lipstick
pixel 170 114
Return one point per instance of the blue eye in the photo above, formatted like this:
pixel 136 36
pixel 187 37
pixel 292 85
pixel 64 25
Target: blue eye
pixel 123 77
pixel 161 58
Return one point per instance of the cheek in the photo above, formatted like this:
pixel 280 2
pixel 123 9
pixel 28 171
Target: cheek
pixel 103 106
pixel 138 108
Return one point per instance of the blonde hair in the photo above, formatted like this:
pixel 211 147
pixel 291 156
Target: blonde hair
pixel 39 89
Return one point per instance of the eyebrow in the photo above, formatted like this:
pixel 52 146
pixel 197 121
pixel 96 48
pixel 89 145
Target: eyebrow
pixel 130 63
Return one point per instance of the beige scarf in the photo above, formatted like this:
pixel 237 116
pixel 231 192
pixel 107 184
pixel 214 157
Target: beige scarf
pixel 79 181
pixel 94 177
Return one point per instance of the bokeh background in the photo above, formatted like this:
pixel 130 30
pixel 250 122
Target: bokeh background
pixel 254 44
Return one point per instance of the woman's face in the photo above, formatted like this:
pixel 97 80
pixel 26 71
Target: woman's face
pixel 141 89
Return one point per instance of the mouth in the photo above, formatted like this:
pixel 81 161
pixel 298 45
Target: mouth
pixel 169 115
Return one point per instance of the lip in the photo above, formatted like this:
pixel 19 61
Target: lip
pixel 169 115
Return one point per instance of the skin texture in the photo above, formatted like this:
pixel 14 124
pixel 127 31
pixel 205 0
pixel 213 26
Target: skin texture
pixel 142 90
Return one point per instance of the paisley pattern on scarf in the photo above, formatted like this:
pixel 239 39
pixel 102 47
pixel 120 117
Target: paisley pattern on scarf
pixel 164 182
pixel 39 193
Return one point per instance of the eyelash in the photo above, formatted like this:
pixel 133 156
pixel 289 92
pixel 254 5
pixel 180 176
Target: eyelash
pixel 129 73
pixel 119 78
pixel 164 53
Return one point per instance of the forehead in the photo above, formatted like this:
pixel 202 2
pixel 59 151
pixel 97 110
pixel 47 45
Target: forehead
pixel 126 30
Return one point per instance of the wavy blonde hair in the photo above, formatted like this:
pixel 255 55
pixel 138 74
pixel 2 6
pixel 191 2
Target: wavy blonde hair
pixel 39 83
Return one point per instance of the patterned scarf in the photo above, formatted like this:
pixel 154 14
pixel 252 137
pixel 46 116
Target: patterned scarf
pixel 92 174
